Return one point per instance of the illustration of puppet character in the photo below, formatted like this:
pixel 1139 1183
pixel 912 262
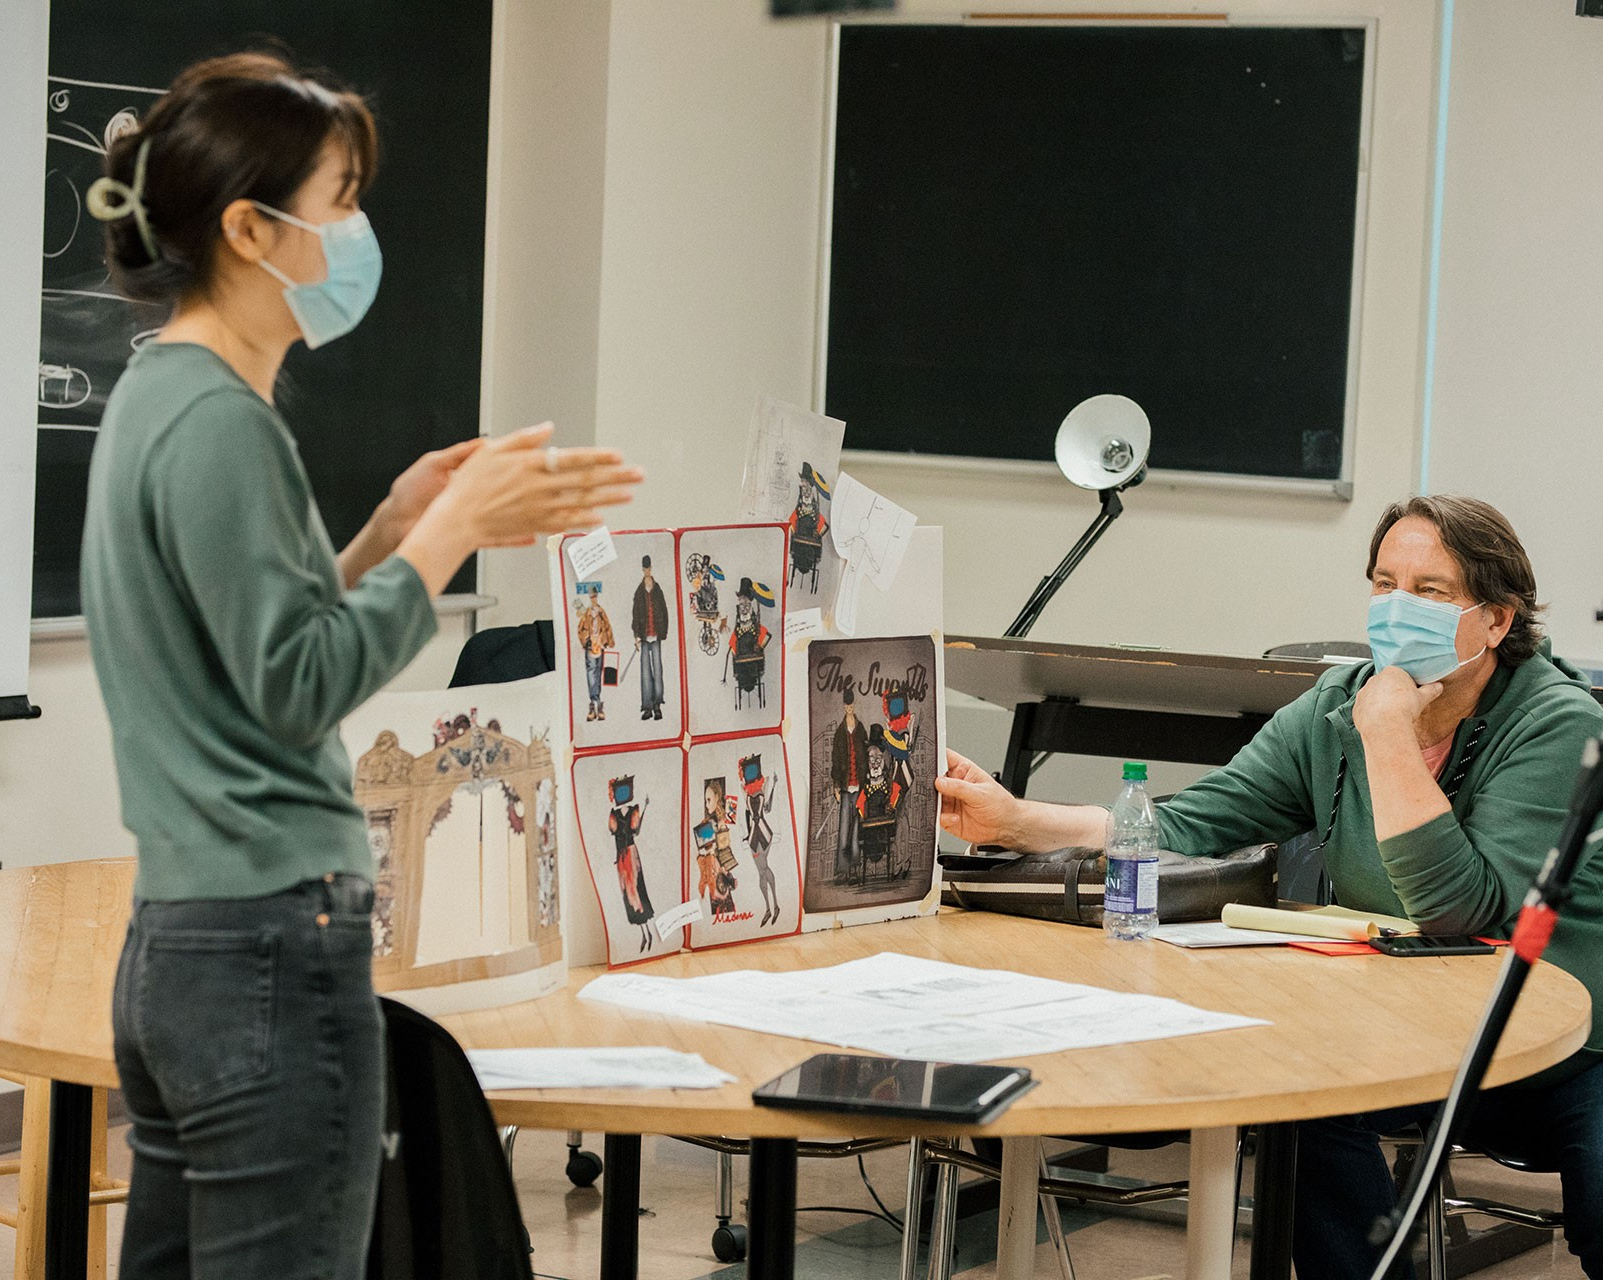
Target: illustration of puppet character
pixel 900 733
pixel 650 625
pixel 848 768
pixel 624 823
pixel 877 804
pixel 715 856
pixel 703 576
pixel 595 638
pixel 748 643
pixel 759 832
pixel 808 526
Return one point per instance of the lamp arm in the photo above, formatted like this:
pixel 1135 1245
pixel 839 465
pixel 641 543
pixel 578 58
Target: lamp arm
pixel 1112 508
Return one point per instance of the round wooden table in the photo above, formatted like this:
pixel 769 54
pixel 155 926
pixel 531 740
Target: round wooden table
pixel 1347 1034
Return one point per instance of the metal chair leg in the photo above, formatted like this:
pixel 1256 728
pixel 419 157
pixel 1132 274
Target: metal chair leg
pixel 943 1225
pixel 509 1138
pixel 1436 1234
pixel 1054 1220
pixel 915 1197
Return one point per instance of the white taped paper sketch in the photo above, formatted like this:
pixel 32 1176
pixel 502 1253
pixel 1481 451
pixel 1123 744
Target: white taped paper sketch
pixel 743 841
pixel 731 585
pixel 629 805
pixel 871 534
pixel 621 629
pixel 792 459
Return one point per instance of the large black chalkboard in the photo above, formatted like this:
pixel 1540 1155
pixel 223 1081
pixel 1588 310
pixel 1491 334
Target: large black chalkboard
pixel 361 408
pixel 1025 216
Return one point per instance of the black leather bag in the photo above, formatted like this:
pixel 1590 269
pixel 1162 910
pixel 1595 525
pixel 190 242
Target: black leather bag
pixel 1066 885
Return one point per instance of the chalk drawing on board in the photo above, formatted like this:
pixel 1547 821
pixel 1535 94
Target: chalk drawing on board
pixel 87 330
pixel 63 387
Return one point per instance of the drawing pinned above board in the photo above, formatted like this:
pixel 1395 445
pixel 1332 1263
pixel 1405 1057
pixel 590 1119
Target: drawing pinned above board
pixel 792 460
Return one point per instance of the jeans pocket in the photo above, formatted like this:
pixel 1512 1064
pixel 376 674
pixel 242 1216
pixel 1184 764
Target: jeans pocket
pixel 205 1012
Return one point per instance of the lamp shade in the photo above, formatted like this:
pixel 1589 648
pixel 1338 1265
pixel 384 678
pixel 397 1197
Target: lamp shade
pixel 1103 443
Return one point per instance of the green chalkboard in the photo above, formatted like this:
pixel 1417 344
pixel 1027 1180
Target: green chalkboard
pixel 361 408
pixel 1027 215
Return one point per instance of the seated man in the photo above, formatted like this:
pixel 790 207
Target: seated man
pixel 1440 776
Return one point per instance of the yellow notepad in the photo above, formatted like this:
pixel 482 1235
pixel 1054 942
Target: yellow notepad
pixel 1317 922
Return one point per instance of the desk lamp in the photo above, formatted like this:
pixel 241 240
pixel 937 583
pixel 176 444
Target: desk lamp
pixel 1101 445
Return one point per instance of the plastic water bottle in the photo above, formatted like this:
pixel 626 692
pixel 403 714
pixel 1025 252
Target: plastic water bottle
pixel 1130 907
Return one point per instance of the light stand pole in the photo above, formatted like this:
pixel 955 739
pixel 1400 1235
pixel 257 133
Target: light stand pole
pixel 1112 508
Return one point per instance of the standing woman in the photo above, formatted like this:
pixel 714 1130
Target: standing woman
pixel 230 640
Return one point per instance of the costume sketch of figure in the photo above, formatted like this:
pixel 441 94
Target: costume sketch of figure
pixel 877 804
pixel 748 643
pixel 715 858
pixel 703 577
pixel 624 823
pixel 808 526
pixel 899 733
pixel 595 638
pixel 759 833
pixel 650 626
pixel 848 769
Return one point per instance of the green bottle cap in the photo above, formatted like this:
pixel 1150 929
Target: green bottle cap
pixel 1135 771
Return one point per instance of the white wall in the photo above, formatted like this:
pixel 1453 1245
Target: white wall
pixel 1518 413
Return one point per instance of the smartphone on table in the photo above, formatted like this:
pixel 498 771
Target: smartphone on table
pixel 1433 944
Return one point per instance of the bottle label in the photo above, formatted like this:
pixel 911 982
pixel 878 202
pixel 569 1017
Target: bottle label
pixel 1132 886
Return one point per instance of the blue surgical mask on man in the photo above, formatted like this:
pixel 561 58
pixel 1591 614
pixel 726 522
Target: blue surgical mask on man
pixel 331 307
pixel 1420 636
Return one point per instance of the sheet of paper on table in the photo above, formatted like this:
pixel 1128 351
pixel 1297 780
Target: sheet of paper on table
pixel 642 1067
pixel 1215 933
pixel 904 1006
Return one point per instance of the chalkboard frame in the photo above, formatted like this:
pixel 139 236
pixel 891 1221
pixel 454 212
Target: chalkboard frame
pixel 1340 487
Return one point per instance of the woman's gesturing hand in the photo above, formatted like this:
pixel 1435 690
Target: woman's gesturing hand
pixel 509 491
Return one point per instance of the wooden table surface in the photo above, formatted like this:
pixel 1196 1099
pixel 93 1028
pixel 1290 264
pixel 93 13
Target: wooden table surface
pixel 1348 1033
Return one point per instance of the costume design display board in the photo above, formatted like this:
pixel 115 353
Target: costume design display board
pixel 792 461
pixel 682 794
pixel 459 790
pixel 874 753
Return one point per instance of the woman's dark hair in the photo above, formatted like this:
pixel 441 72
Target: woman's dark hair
pixel 1488 552
pixel 247 126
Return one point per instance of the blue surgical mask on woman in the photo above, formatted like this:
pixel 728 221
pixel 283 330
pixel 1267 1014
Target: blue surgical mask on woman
pixel 1420 636
pixel 331 307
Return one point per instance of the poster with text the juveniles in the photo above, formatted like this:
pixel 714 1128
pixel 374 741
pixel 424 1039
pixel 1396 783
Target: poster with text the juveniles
pixel 872 808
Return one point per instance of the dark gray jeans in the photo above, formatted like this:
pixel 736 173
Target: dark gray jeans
pixel 250 1048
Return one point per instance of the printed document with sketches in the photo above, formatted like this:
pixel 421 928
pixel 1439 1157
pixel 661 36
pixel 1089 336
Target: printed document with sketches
pixel 872 534
pixel 904 1006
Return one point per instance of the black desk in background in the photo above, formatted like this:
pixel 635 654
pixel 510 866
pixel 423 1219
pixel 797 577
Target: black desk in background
pixel 1141 704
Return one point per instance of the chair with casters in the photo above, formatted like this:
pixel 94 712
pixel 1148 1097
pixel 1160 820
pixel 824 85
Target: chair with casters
pixel 1447 1237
